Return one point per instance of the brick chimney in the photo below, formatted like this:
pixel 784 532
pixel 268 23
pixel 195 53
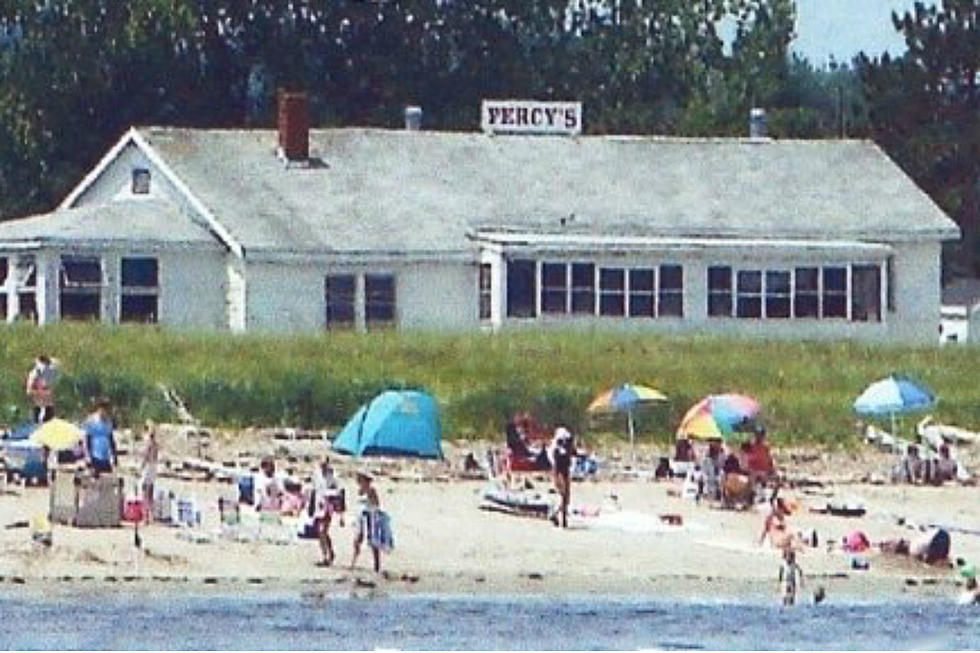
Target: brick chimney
pixel 294 126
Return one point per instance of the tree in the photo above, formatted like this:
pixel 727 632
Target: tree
pixel 925 109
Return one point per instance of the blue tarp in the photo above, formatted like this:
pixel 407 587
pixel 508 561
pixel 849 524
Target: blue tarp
pixel 395 423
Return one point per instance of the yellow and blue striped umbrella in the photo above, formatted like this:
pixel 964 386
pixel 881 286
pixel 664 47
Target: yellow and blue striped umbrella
pixel 624 399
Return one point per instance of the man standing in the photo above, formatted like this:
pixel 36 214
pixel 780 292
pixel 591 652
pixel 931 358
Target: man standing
pixel 100 443
pixel 40 388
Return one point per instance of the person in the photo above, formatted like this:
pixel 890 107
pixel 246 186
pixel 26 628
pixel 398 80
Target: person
pixel 711 470
pixel 790 575
pixel 100 441
pixel 40 388
pixel 148 468
pixel 372 523
pixel 774 526
pixel 269 487
pixel 515 439
pixel 910 467
pixel 758 458
pixel 324 504
pixel 684 451
pixel 971 594
pixel 561 452
pixel 293 500
pixel 945 467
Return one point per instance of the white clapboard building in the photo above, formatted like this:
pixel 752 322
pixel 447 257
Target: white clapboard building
pixel 527 223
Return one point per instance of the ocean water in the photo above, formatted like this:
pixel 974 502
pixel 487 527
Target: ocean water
pixel 134 620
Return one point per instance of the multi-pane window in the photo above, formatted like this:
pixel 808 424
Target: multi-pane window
pixel 140 289
pixel 379 299
pixel 612 291
pixel 583 288
pixel 834 292
pixel 643 292
pixel 719 291
pixel 866 293
pixel 521 288
pixel 806 292
pixel 890 283
pixel 24 272
pixel 340 294
pixel 670 295
pixel 748 294
pixel 554 288
pixel 486 290
pixel 81 288
pixel 777 293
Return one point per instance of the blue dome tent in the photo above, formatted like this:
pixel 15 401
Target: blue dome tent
pixel 395 423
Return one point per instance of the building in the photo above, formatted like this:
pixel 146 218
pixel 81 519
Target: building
pixel 369 228
pixel 960 311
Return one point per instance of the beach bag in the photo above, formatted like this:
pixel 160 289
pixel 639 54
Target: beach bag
pixel 246 489
pixel 381 536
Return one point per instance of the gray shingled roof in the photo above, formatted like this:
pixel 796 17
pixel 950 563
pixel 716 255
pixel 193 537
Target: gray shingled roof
pixel 378 190
pixel 133 221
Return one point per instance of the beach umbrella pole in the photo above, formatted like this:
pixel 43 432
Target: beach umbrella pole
pixel 629 422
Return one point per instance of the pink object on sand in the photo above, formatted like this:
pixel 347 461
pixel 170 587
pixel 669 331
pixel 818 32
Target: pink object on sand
pixel 856 542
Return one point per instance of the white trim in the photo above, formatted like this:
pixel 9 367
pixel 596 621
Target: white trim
pixel 545 242
pixel 97 171
pixel 361 258
pixel 204 212
pixel 133 136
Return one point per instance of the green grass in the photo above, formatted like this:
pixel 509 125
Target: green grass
pixel 479 379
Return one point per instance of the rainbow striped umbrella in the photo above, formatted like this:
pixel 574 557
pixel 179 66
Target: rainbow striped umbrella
pixel 717 416
pixel 624 399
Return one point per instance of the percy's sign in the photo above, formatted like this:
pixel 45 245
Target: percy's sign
pixel 528 117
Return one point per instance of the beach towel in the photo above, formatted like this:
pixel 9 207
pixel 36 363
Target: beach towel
pixel 379 530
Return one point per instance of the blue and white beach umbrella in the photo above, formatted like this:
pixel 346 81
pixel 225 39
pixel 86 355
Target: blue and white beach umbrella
pixel 895 395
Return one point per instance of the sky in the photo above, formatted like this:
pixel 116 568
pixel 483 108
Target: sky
pixel 843 28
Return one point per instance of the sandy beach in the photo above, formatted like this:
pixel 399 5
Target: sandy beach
pixel 444 544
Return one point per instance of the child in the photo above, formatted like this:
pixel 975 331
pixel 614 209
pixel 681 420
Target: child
pixel 790 574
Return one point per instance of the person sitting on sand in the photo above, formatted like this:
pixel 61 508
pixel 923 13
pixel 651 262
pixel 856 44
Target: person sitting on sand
pixel 293 500
pixel 910 467
pixel 790 575
pixel 562 452
pixel 945 466
pixel 711 471
pixel 684 451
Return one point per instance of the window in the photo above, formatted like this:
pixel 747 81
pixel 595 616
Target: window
pixel 670 298
pixel 866 293
pixel 81 288
pixel 3 294
pixel 612 291
pixel 3 270
pixel 777 294
pixel 583 288
pixel 554 288
pixel 379 299
pixel 806 297
pixel 140 290
pixel 141 181
pixel 28 306
pixel 339 294
pixel 521 288
pixel 486 291
pixel 834 292
pixel 643 289
pixel 719 291
pixel 749 294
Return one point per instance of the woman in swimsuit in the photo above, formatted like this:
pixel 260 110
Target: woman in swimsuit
pixel 562 452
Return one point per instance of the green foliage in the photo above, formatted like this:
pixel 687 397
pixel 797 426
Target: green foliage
pixel 319 381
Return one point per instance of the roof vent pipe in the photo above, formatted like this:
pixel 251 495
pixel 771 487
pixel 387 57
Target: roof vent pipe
pixel 413 118
pixel 294 126
pixel 757 123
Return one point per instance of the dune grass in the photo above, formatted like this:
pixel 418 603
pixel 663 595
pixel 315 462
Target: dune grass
pixel 319 380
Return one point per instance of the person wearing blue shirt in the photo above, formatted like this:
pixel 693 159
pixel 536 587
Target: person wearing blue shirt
pixel 100 443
